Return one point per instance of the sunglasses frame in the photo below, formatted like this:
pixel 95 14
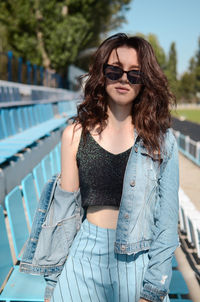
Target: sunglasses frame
pixel 137 72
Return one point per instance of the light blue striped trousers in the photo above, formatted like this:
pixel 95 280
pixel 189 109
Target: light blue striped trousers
pixel 94 273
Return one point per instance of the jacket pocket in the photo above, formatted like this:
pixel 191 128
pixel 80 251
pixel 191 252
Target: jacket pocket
pixel 54 242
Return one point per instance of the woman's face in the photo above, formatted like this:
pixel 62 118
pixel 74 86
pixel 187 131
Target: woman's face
pixel 121 91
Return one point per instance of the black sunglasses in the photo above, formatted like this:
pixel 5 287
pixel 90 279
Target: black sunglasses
pixel 114 73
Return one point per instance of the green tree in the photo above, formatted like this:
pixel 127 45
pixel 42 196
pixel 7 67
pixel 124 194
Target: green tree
pixel 197 69
pixel 171 68
pixel 192 64
pixel 52 33
pixel 172 61
pixel 159 52
pixel 186 87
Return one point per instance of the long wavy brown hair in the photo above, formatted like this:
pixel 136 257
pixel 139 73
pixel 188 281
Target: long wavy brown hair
pixel 150 110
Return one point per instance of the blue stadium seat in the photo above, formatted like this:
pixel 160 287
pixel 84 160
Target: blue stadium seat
pixel 180 300
pixel 17 220
pixel 16 286
pixel 39 178
pixel 6 122
pixel 21 119
pixel 174 262
pixel 54 161
pixel 46 166
pixel 68 107
pixel 11 145
pixel 2 129
pixel 14 120
pixel 58 156
pixel 178 285
pixel 30 196
pixel 16 94
pixel 5 94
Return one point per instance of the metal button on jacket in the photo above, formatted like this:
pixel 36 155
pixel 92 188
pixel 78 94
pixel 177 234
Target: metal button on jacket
pixel 123 247
pixel 126 216
pixel 136 149
pixel 132 183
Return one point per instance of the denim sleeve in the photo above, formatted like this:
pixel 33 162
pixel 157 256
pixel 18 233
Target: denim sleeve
pixel 51 281
pixel 158 274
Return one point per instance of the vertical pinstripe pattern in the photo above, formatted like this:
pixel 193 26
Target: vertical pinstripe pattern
pixel 85 280
pixel 68 284
pixel 94 243
pixel 76 281
pixel 78 244
pixel 60 291
pixel 94 273
pixel 94 282
pixel 101 275
pixel 135 280
pixel 127 278
pixel 86 242
pixel 111 280
pixel 108 246
pixel 143 266
pixel 118 275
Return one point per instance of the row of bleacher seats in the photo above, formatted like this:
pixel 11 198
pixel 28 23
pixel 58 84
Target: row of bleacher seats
pixel 9 94
pixel 23 125
pixel 17 119
pixel 41 95
pixel 15 92
pixel 21 204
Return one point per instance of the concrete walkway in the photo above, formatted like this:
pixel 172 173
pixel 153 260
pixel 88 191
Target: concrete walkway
pixel 190 179
pixel 190 183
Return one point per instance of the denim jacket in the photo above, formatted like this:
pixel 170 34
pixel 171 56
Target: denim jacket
pixel 148 219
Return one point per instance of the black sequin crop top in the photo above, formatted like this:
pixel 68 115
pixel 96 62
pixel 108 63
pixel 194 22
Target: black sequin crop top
pixel 101 173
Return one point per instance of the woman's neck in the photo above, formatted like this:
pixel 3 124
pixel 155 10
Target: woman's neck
pixel 119 117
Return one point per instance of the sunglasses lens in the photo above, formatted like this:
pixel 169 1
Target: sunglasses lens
pixel 134 77
pixel 113 73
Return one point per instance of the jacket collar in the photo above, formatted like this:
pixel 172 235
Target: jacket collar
pixel 144 150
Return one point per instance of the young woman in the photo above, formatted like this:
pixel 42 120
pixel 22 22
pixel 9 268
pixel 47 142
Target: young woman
pixel 122 155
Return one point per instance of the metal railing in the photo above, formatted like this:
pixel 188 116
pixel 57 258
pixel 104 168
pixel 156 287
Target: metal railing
pixel 16 70
pixel 189 147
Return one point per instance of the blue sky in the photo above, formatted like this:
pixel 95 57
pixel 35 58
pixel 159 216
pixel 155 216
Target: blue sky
pixel 170 20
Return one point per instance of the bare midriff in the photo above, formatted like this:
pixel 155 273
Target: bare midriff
pixel 103 216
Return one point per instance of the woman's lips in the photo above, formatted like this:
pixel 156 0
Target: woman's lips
pixel 122 89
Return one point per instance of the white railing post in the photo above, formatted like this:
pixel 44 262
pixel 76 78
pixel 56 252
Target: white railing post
pixel 198 152
pixel 187 142
pixel 177 135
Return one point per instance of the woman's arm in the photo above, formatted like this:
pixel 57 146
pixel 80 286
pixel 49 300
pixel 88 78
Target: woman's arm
pixel 165 239
pixel 69 147
pixel 69 182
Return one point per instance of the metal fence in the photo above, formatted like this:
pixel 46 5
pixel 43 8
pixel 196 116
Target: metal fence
pixel 16 70
pixel 188 147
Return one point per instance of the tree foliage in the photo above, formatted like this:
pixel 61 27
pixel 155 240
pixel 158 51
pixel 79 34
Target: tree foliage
pixel 189 84
pixel 52 33
pixel 171 68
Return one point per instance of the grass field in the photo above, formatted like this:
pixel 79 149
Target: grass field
pixel 192 115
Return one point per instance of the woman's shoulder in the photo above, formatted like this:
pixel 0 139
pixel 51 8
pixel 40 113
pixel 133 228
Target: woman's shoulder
pixel 71 134
pixel 169 141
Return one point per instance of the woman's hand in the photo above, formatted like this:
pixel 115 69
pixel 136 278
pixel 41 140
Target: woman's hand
pixel 46 300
